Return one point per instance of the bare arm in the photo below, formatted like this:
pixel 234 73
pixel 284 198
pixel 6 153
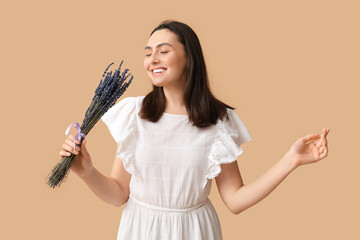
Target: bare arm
pixel 113 189
pixel 238 197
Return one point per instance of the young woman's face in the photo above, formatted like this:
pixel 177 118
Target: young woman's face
pixel 165 59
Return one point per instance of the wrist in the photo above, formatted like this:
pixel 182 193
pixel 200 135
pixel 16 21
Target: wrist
pixel 86 174
pixel 290 162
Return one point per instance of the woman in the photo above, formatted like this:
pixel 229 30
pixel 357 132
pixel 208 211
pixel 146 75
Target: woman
pixel 173 142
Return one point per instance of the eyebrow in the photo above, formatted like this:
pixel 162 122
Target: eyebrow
pixel 159 45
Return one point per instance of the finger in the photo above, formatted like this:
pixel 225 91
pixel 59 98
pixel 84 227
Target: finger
pixel 325 142
pixel 63 153
pixel 316 153
pixel 83 142
pixel 72 138
pixel 324 154
pixel 69 148
pixel 325 132
pixel 322 141
pixel 71 144
pixel 319 142
pixel 310 137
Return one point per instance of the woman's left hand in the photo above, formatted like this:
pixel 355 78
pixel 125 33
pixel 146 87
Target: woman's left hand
pixel 305 150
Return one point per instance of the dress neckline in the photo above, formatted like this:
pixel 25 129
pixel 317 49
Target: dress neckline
pixel 171 114
pixel 175 115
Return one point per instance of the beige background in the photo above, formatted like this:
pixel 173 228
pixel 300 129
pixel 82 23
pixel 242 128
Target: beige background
pixel 289 67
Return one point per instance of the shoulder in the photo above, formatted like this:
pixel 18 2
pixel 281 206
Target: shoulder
pixel 124 108
pixel 139 100
pixel 121 118
pixel 132 101
pixel 231 118
pixel 235 127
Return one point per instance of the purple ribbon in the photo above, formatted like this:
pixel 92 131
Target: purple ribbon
pixel 78 135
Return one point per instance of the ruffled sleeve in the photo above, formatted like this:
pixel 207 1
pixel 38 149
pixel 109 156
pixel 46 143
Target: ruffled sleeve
pixel 226 146
pixel 121 122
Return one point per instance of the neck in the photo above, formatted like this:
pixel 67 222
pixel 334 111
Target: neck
pixel 175 100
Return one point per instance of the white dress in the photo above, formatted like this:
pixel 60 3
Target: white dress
pixel 172 164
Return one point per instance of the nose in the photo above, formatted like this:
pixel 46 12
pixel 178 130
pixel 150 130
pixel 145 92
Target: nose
pixel 154 58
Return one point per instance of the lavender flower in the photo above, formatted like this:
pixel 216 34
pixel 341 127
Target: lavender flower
pixel 110 88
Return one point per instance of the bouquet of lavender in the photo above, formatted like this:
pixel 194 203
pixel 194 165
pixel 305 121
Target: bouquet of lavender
pixel 109 90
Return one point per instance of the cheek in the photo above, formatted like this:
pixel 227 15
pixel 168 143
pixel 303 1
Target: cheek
pixel 146 64
pixel 181 63
pixel 172 61
pixel 181 59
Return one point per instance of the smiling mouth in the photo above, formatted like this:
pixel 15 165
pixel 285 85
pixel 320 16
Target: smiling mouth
pixel 158 71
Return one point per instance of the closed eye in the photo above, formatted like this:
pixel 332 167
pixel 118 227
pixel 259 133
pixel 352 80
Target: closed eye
pixel 148 55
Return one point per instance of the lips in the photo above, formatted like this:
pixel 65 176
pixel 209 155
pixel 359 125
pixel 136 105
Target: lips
pixel 156 73
pixel 152 70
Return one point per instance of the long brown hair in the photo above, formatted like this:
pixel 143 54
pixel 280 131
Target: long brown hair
pixel 202 107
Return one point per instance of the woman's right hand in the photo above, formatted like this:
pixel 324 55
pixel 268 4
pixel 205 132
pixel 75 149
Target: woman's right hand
pixel 82 164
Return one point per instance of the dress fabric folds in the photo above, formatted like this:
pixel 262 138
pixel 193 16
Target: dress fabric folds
pixel 172 164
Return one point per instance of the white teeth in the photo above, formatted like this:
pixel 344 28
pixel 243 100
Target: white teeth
pixel 158 70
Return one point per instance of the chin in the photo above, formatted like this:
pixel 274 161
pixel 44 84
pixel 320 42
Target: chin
pixel 157 83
